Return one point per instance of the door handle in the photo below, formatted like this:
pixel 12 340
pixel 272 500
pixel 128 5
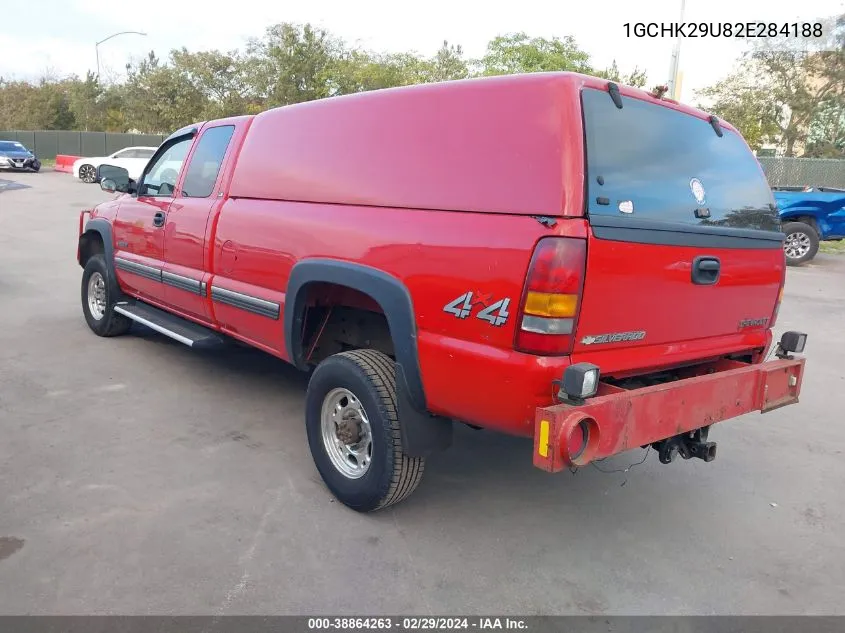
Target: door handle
pixel 705 270
pixel 158 218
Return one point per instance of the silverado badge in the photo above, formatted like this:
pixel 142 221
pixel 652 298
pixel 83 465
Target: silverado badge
pixel 613 337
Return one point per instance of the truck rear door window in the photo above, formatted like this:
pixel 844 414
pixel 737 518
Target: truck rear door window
pixel 659 164
pixel 205 163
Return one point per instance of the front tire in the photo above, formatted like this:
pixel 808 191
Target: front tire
pixel 36 166
pixel 801 244
pixel 98 299
pixel 88 173
pixel 354 434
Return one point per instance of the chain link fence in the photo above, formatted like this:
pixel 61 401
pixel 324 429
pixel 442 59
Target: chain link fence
pixel 803 172
pixel 48 143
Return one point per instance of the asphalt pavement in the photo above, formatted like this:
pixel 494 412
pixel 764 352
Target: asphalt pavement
pixel 140 477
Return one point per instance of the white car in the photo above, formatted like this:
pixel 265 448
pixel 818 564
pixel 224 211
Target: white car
pixel 132 159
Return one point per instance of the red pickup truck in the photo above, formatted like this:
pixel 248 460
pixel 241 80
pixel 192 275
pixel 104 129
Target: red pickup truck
pixel 547 255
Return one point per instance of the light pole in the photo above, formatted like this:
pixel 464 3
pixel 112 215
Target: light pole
pixel 676 56
pixel 97 46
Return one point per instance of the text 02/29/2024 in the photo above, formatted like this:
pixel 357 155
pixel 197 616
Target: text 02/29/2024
pixel 422 623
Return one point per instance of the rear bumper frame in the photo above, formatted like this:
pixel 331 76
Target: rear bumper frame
pixel 617 419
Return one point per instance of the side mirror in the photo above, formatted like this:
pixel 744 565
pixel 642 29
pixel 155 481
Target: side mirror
pixel 114 178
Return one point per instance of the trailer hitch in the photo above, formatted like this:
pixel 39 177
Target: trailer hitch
pixel 687 445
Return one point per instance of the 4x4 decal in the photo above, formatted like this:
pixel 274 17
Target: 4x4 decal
pixel 460 307
pixel 496 313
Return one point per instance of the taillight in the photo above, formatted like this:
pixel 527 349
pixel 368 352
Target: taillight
pixel 552 296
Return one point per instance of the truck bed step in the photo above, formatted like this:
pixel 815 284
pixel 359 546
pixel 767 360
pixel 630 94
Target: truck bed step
pixel 186 332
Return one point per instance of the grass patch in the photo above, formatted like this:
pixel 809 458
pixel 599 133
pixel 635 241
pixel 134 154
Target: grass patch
pixel 837 248
pixel 48 162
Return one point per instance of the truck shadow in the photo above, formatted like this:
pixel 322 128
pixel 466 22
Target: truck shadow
pixel 482 470
pixel 240 361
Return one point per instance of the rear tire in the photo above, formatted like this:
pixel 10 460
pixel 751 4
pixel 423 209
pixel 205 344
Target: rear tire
pixel 355 392
pixel 801 244
pixel 99 297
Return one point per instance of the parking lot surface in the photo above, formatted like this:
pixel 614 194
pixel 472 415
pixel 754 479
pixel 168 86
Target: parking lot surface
pixel 140 477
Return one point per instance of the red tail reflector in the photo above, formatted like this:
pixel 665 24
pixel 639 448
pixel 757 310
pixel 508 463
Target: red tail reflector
pixel 552 296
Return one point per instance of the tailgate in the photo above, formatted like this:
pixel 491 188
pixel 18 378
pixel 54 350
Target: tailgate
pixel 650 289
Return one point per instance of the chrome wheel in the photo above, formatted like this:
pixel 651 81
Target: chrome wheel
pixel 97 296
pixel 797 245
pixel 87 173
pixel 346 432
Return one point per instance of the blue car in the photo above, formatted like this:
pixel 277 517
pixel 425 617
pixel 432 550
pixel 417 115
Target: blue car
pixel 13 155
pixel 808 215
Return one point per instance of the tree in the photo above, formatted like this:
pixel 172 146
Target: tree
pixel 113 107
pixel 799 83
pixel 156 98
pixel 636 77
pixel 778 93
pixel 41 106
pixel 355 70
pixel 448 63
pixel 50 108
pixel 13 104
pixel 359 71
pixel 826 137
pixel 291 63
pixel 518 53
pixel 408 68
pixel 219 77
pixel 84 102
pixel 751 108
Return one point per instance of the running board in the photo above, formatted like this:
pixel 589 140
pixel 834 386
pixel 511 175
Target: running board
pixel 179 329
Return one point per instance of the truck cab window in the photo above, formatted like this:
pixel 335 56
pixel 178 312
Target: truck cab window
pixel 205 163
pixel 161 176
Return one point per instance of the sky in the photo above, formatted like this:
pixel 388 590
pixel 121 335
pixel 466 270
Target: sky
pixel 58 36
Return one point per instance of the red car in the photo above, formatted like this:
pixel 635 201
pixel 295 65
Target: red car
pixel 546 255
